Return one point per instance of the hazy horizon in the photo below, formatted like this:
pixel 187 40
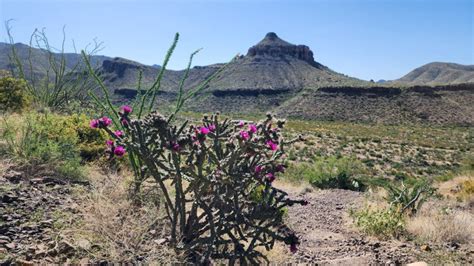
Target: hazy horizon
pixel 364 39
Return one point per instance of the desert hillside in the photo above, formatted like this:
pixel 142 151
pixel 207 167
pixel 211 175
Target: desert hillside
pixel 439 73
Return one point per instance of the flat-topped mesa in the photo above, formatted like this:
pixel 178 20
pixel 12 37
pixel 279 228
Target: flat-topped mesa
pixel 273 46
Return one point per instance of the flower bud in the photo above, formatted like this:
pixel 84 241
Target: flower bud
pixel 126 109
pixel 94 123
pixel 119 151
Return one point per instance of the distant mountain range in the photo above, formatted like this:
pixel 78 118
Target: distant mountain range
pixel 278 76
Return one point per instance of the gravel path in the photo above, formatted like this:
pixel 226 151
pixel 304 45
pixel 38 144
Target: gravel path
pixel 326 236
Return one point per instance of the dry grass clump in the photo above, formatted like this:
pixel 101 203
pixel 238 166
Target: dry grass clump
pixel 441 226
pixel 114 229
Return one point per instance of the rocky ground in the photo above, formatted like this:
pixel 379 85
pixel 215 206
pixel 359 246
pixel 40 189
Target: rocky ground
pixel 327 237
pixel 33 213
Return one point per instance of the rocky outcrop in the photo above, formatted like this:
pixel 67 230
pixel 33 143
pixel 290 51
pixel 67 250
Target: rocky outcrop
pixel 273 46
pixel 119 66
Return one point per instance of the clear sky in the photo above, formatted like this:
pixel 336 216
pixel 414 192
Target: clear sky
pixel 368 39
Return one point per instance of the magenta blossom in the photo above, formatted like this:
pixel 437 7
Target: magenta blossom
pixel 118 133
pixel 204 130
pixel 175 147
pixel 270 177
pixel 94 123
pixel 105 121
pixel 293 248
pixel 258 169
pixel 124 121
pixel 109 143
pixel 244 135
pixel 271 145
pixel 280 168
pixel 126 109
pixel 241 123
pixel 119 151
pixel 252 128
pixel 212 127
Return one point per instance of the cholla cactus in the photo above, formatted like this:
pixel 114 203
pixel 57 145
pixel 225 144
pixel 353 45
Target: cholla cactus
pixel 223 204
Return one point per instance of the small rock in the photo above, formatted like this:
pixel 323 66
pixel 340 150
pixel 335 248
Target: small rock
pixel 452 245
pixel 160 241
pixel 47 223
pixel 375 245
pixel 9 198
pixel 10 246
pixel 13 176
pixel 65 247
pixel 24 262
pixel 425 248
pixel 418 263
pixel 6 238
pixel 84 244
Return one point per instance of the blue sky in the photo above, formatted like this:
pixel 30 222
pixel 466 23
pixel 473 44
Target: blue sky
pixel 368 39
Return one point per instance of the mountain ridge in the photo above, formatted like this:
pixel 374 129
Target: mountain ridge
pixel 439 73
pixel 285 78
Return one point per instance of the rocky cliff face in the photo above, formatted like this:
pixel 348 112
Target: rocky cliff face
pixel 273 46
pixel 119 66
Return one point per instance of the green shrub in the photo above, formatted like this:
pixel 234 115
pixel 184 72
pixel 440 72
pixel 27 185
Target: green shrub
pixel 330 172
pixel 51 140
pixel 409 196
pixel 13 94
pixel 383 223
pixel 90 141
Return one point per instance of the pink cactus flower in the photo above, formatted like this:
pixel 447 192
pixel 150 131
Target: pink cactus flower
pixel 241 123
pixel 293 248
pixel 109 143
pixel 212 127
pixel 258 169
pixel 124 121
pixel 204 130
pixel 126 109
pixel 271 145
pixel 244 135
pixel 252 128
pixel 270 177
pixel 280 168
pixel 118 133
pixel 119 151
pixel 176 147
pixel 105 121
pixel 94 123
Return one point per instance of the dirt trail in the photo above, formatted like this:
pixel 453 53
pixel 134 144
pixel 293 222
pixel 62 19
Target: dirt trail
pixel 327 238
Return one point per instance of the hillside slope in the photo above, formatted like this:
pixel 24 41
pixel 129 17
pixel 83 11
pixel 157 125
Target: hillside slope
pixel 439 73
pixel 39 58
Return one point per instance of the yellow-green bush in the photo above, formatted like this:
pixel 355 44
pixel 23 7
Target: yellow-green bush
pixel 13 94
pixel 382 223
pixel 91 142
pixel 58 141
